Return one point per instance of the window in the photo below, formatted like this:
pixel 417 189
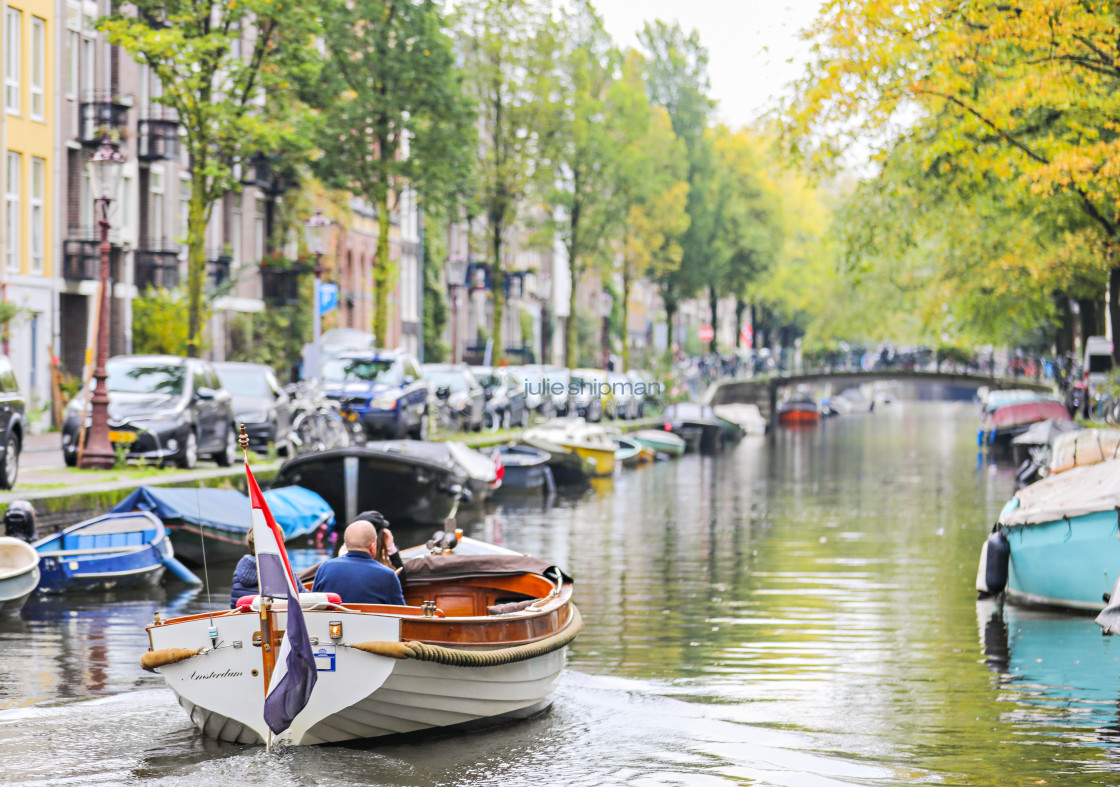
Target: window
pixel 235 230
pixel 38 67
pixel 258 231
pixel 38 213
pixel 88 69
pixel 73 62
pixel 12 173
pixel 156 233
pixel 13 22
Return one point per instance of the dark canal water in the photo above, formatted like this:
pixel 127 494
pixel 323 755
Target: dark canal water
pixel 794 612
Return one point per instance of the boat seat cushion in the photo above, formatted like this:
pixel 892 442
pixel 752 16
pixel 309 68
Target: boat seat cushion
pixel 306 601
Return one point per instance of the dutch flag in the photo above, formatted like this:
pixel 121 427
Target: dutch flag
pixel 295 674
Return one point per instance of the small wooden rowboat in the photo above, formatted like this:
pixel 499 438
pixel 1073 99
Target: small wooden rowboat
pixel 483 639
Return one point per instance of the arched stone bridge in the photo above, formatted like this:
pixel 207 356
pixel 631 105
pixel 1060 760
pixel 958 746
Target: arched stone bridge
pixel 764 391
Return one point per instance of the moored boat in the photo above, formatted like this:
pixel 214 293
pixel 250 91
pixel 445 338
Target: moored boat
pixel 747 416
pixel 696 424
pixel 1055 541
pixel 798 411
pixel 660 441
pixel 480 470
pixel 482 639
pixel 593 443
pixel 568 468
pixel 405 487
pixel 110 551
pixel 631 453
pixel 198 519
pixel 19 574
pixel 525 468
pixel 1000 425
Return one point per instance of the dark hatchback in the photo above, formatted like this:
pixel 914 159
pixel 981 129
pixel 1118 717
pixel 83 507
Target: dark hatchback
pixel 260 403
pixel 13 410
pixel 384 388
pixel 162 408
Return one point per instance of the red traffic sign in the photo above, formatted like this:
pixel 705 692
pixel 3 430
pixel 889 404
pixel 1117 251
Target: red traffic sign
pixel 707 333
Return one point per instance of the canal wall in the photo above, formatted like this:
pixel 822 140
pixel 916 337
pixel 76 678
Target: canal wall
pixel 56 509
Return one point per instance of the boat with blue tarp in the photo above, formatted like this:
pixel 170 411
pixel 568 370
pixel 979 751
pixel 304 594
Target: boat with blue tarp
pixel 111 551
pixel 216 517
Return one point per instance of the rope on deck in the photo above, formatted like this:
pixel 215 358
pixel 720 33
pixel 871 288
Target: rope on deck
pixel 476 658
pixel 153 659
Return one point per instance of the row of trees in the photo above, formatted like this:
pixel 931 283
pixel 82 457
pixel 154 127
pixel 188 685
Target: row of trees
pixel 508 112
pixel 993 205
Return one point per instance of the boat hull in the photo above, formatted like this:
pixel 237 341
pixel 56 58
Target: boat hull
pixel 1064 563
pixel 358 695
pixel 135 569
pixel 602 460
pixel 526 478
pixel 652 440
pixel 15 590
pixel 798 417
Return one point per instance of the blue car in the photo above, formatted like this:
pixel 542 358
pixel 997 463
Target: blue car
pixel 384 388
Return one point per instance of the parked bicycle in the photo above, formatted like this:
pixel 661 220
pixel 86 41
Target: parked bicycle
pixel 318 423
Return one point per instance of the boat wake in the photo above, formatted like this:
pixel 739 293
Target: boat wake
pixel 600 730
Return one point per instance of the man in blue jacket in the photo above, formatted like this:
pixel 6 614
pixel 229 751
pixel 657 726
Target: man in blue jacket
pixel 358 577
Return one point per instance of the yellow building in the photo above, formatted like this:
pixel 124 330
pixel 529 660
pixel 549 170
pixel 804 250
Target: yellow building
pixel 27 138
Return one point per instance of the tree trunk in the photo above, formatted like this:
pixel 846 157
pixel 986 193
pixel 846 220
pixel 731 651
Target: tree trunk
pixel 381 274
pixel 196 262
pixel 713 306
pixel 670 313
pixel 625 318
pixel 740 307
pixel 571 337
pixel 499 280
pixel 1114 304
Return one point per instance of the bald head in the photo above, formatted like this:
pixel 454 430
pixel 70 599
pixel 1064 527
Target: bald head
pixel 360 535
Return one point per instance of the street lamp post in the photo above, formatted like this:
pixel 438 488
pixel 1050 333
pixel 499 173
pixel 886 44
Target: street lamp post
pixel 316 230
pixel 456 271
pixel 105 166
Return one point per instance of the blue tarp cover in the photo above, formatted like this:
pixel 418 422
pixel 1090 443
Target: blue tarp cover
pixel 297 511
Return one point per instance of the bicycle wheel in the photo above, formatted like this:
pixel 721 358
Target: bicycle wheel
pixel 1100 406
pixel 304 433
pixel 335 433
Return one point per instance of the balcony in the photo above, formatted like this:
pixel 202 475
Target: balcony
pixel 268 173
pixel 158 135
pixel 280 286
pixel 81 257
pixel 218 264
pixel 157 268
pixel 103 118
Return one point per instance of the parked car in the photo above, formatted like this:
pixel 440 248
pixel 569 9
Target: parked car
pixel 589 395
pixel 260 403
pixel 627 404
pixel 558 381
pixel 385 389
pixel 13 411
pixel 506 401
pixel 649 394
pixel 537 399
pixel 163 408
pixel 457 389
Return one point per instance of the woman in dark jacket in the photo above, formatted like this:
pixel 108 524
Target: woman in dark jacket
pixel 245 581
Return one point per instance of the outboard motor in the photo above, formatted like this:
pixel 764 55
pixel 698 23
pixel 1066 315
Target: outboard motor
pixel 991 575
pixel 19 521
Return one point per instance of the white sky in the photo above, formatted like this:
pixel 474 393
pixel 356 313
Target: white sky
pixel 753 45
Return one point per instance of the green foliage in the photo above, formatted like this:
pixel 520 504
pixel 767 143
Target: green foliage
pixel 589 333
pixel 435 300
pixel 218 91
pixel 394 112
pixel 159 322
pixel 507 48
pixel 275 336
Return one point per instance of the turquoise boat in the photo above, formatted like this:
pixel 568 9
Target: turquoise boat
pixel 1055 543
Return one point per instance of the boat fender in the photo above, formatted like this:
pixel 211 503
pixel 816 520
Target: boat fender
pixel 995 555
pixel 153 659
pixel 1109 617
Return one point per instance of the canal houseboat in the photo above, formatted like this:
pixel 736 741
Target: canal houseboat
pixel 1055 541
pixel 121 550
pixel 482 639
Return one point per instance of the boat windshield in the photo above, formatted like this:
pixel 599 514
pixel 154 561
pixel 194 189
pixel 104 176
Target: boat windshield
pixel 373 370
pixel 130 376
